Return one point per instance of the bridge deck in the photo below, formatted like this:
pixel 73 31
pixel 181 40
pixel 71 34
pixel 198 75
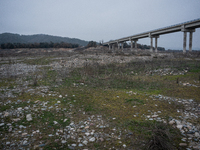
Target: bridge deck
pixel 169 29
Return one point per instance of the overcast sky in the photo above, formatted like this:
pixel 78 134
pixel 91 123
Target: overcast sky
pixel 100 19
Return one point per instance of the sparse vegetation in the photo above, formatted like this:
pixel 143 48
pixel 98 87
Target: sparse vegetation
pixel 128 104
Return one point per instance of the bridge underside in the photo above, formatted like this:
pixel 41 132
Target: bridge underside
pixel 186 27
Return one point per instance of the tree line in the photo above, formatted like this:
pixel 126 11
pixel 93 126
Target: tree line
pixel 38 45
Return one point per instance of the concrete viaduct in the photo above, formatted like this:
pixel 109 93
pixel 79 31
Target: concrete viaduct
pixel 185 27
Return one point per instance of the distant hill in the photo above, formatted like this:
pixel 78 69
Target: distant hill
pixel 38 38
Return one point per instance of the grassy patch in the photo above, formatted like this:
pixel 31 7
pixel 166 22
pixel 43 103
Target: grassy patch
pixel 38 61
pixel 135 101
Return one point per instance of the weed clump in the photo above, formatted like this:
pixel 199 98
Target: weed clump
pixel 161 138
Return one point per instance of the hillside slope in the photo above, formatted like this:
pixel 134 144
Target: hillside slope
pixel 37 38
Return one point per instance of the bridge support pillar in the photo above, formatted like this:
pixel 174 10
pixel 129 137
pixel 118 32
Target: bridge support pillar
pixel 109 46
pixel 156 42
pixel 131 45
pixel 122 46
pixel 113 46
pixel 118 44
pixel 184 41
pixel 135 41
pixel 184 30
pixel 190 42
pixel 151 49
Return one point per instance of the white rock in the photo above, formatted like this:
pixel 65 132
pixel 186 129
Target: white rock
pixel 2 124
pixel 74 145
pixel 80 145
pixel 7 143
pixel 26 108
pixel 25 142
pixel 21 126
pixel 124 145
pixel 171 122
pixel 85 142
pixel 19 109
pixel 154 116
pixel 55 122
pixel 58 102
pixel 6 114
pixel 196 134
pixel 60 96
pixel 87 133
pixel 92 139
pixel 179 126
pixel 23 134
pixel 63 141
pixel 29 117
pixel 65 120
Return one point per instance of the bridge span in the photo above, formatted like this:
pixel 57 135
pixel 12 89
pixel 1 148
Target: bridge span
pixel 184 27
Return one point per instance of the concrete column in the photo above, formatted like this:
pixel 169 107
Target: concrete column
pixel 151 49
pixel 156 42
pixel 109 46
pixel 131 45
pixel 135 41
pixel 118 44
pixel 156 45
pixel 122 46
pixel 190 42
pixel 113 46
pixel 184 41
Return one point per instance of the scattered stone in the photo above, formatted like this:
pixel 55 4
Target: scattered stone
pixel 101 139
pixel 172 122
pixel 87 133
pixel 74 145
pixel 55 122
pixel 179 126
pixel 80 145
pixel 29 117
pixel 6 114
pixel 197 134
pixel 2 124
pixel 86 127
pixel 92 139
pixel 25 142
pixel 23 134
pixel 41 145
pixel 85 142
pixel 154 116
pixel 63 141
pixel 183 144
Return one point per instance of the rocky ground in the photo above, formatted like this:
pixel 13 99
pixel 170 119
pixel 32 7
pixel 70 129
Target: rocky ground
pixel 37 114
